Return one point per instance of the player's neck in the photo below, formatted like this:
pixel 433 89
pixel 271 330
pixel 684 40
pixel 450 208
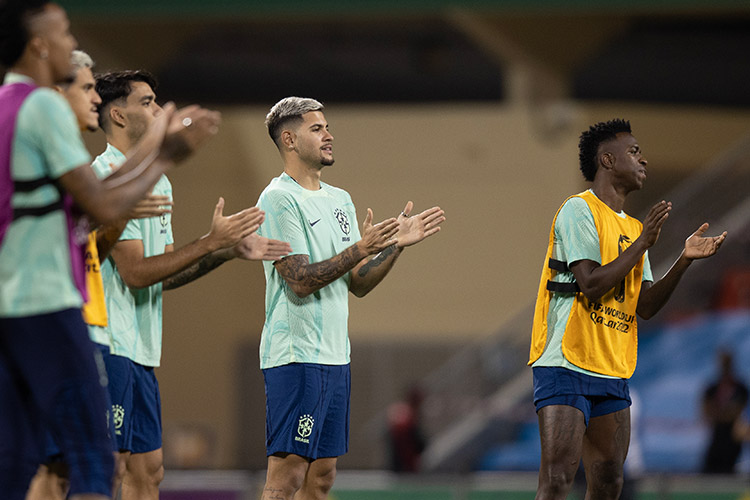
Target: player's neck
pixel 38 72
pixel 610 195
pixel 308 178
pixel 122 144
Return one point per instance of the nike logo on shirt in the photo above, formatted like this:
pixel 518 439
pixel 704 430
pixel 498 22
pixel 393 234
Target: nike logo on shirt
pixel 313 223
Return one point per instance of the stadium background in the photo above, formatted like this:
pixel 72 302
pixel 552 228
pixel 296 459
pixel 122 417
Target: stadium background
pixel 472 105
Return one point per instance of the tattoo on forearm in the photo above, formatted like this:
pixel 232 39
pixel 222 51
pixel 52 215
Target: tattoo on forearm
pixel 376 261
pixel 192 273
pixel 296 269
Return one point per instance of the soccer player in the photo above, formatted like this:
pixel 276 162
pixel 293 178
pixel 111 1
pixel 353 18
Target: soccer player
pixel 51 481
pixel 48 372
pixel 141 264
pixel 304 350
pixel 596 278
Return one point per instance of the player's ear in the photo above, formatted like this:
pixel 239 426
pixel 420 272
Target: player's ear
pixel 116 117
pixel 287 140
pixel 606 160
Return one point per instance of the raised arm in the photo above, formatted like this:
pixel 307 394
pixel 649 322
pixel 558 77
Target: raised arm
pixel 187 263
pixel 108 234
pixel 168 141
pixel 305 278
pixel 411 230
pixel 251 247
pixel 653 297
pixel 595 279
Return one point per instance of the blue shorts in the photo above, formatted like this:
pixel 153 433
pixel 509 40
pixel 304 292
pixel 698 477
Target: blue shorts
pixel 594 396
pixel 307 410
pixel 52 381
pixel 136 405
pixel 52 451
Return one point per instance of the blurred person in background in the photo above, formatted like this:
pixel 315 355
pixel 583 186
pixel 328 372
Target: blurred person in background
pixel 721 406
pixel 406 439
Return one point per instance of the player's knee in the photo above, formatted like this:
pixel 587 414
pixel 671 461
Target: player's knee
pixel 606 479
pixel 145 471
pixel 156 475
pixel 153 473
pixel 556 483
pixel 295 479
pixel 324 479
pixel 285 478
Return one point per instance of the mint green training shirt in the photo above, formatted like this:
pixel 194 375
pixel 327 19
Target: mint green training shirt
pixel 134 328
pixel 320 224
pixel 35 271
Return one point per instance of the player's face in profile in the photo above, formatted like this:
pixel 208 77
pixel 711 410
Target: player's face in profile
pixel 314 143
pixel 140 109
pixel 53 28
pixel 630 166
pixel 83 99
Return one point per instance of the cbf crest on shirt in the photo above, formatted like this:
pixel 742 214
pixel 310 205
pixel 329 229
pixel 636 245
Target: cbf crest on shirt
pixel 320 224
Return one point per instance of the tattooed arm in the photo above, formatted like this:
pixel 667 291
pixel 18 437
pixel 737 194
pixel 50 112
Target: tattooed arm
pixel 305 278
pixel 195 271
pixel 139 271
pixel 411 230
pixel 369 273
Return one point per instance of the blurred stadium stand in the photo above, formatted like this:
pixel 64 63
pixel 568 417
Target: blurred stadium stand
pixel 248 51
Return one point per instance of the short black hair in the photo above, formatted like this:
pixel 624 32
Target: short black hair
pixel 14 27
pixel 588 145
pixel 117 85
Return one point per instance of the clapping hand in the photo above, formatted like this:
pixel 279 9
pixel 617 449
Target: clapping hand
pixel 378 237
pixel 698 246
pixel 654 221
pixel 256 247
pixel 228 231
pixel 151 206
pixel 413 229
pixel 187 129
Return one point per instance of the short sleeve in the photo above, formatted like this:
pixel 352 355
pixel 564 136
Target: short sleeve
pixel 54 129
pixel 101 168
pixel 647 275
pixel 283 221
pixel 575 232
pixel 355 235
pixel 133 230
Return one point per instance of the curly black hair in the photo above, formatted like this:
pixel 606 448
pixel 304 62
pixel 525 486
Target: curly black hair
pixel 591 139
pixel 117 85
pixel 14 27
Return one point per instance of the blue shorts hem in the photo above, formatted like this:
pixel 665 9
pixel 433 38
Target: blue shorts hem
pixel 593 396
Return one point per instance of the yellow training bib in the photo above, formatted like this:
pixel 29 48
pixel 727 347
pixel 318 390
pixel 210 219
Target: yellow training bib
pixel 95 310
pixel 600 336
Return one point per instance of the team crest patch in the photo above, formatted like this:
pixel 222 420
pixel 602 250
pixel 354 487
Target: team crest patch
pixel 343 220
pixel 304 429
pixel 118 418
